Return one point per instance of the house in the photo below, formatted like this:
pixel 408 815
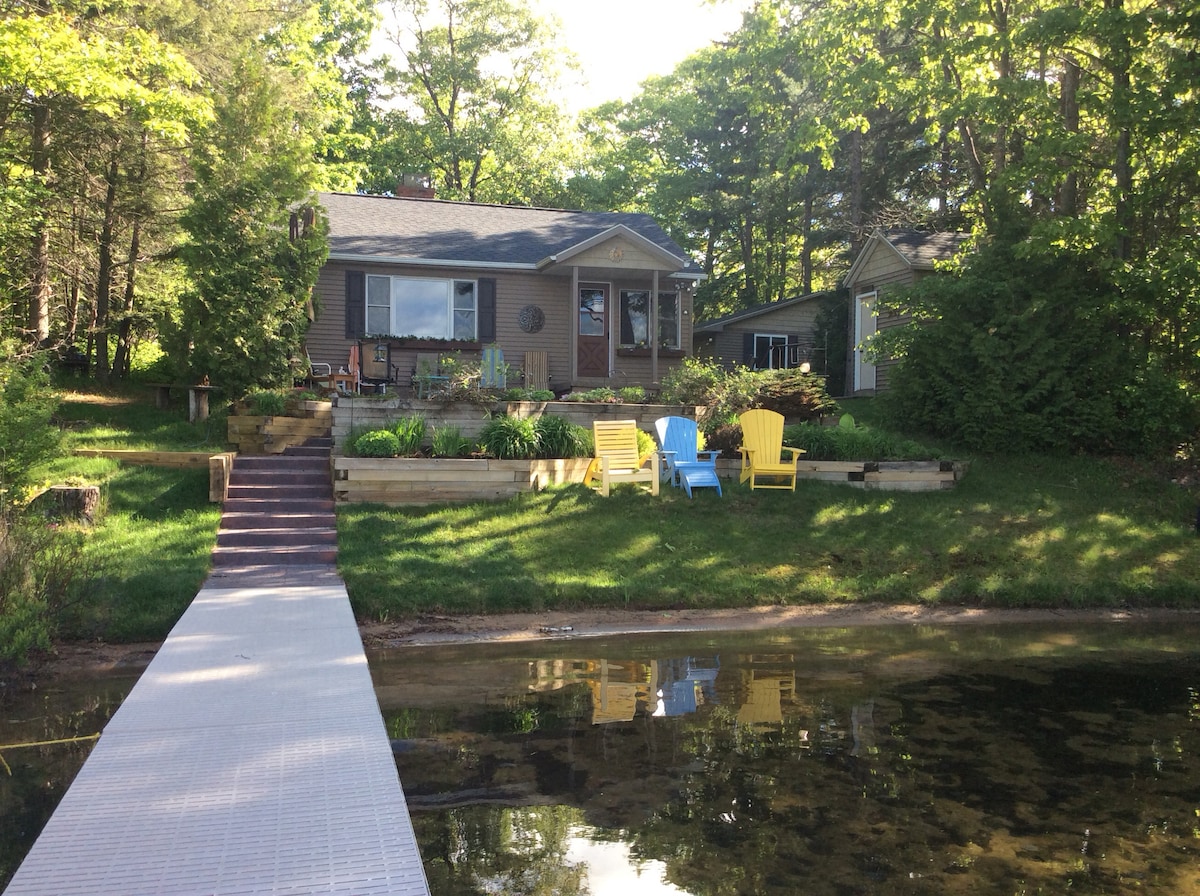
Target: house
pixel 890 259
pixel 772 335
pixel 589 298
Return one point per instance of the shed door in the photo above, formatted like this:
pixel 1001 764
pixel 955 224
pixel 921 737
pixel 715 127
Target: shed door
pixel 593 331
pixel 865 325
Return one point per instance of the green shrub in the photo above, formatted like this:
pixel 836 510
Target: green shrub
pixel 266 404
pixel 559 437
pixel 41 567
pixel 632 394
pixel 520 394
pixel 694 382
pixel 599 395
pixel 726 438
pixel 509 438
pixel 646 443
pixel 28 436
pixel 410 433
pixel 853 443
pixel 798 396
pixel 377 443
pixel 448 441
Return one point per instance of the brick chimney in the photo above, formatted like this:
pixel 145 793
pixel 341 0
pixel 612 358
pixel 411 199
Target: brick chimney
pixel 415 186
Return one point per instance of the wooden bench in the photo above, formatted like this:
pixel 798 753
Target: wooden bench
pixel 197 399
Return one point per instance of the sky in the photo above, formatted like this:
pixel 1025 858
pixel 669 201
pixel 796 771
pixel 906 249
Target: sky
pixel 620 43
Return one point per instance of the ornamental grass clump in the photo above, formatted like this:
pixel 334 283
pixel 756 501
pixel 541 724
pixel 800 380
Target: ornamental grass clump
pixel 509 438
pixel 410 433
pixel 559 437
pixel 448 441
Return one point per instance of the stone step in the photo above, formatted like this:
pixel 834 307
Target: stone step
pixel 280 478
pixel 272 518
pixel 276 536
pixel 261 492
pixel 309 554
pixel 264 501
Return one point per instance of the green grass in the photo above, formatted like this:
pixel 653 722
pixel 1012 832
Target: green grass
pixel 1029 531
pixel 126 419
pixel 149 551
pixel 1015 532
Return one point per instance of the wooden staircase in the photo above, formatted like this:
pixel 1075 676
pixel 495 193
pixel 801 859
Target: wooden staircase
pixel 277 524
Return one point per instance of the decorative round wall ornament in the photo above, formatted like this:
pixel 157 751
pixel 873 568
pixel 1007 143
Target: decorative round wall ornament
pixel 531 318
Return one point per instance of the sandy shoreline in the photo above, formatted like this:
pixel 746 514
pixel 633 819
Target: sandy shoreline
pixel 78 659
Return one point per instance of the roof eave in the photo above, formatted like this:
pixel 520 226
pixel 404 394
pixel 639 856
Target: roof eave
pixel 414 261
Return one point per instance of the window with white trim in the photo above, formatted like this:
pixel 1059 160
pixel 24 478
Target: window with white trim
pixel 668 320
pixel 635 319
pixel 426 308
pixel 764 355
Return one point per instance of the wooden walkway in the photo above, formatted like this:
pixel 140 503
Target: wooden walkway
pixel 250 758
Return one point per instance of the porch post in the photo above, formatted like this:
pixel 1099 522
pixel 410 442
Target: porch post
pixel 573 316
pixel 654 329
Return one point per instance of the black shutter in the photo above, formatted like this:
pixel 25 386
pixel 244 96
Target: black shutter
pixel 486 299
pixel 748 349
pixel 356 304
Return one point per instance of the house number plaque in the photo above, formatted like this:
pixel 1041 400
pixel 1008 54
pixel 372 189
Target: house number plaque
pixel 531 318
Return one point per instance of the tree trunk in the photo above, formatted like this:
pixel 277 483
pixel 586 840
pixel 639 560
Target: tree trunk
pixel 1068 194
pixel 39 287
pixel 104 272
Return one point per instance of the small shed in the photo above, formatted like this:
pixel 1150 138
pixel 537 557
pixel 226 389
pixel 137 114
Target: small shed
pixel 891 259
pixel 772 335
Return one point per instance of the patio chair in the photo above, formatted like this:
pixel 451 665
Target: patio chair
pixel 683 463
pixel 427 376
pixel 617 458
pixel 537 370
pixel 763 451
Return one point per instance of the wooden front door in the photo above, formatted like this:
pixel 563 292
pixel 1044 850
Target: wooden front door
pixel 593 331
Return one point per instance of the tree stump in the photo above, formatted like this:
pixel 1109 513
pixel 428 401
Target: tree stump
pixel 72 502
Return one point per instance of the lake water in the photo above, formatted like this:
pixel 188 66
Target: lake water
pixel 963 759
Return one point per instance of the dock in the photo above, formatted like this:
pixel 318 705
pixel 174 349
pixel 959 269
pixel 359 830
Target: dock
pixel 249 758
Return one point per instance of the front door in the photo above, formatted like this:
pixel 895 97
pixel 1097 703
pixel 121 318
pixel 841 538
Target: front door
pixel 593 331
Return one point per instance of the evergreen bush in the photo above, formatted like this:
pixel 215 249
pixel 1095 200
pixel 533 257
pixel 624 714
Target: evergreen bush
pixel 377 443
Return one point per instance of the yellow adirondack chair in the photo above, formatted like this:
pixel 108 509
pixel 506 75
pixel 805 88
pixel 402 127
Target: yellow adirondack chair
pixel 617 458
pixel 762 451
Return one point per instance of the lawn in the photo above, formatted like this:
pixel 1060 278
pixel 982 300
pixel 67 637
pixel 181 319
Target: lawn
pixel 1028 531
pixel 1016 532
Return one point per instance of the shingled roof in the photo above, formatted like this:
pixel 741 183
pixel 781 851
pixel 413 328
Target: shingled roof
pixel 363 227
pixel 921 249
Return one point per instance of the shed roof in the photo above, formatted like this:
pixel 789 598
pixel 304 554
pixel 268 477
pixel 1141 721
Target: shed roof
pixel 919 249
pixel 717 324
pixel 402 229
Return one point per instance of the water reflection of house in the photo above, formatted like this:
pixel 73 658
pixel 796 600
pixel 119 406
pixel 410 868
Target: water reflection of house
pixel 685 683
pixel 616 690
pixel 766 690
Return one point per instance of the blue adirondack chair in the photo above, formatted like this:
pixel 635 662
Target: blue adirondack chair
pixel 682 462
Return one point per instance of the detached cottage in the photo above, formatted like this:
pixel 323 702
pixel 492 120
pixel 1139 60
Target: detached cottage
pixel 581 299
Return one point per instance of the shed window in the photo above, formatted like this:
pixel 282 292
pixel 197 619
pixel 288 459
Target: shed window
pixel 770 351
pixel 412 306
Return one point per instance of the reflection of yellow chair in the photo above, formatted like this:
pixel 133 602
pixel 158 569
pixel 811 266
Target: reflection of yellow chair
pixel 617 458
pixel 762 451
